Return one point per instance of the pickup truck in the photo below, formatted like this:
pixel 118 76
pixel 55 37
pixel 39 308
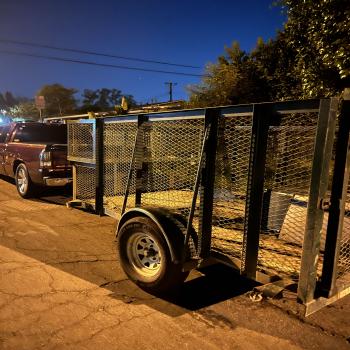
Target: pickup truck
pixel 35 155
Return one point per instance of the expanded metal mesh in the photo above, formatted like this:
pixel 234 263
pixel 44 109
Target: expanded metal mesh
pixel 287 178
pixel 167 155
pixel 231 170
pixel 118 142
pixel 172 153
pixel 81 142
pixel 344 254
pixel 85 184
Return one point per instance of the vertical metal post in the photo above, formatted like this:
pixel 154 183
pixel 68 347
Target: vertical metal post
pixel 337 202
pixel 99 152
pixel 70 134
pixel 207 183
pixel 140 165
pixel 318 187
pixel 74 174
pixel 262 114
pixel 94 140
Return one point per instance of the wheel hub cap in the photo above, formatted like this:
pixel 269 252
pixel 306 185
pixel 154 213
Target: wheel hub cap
pixel 22 181
pixel 144 254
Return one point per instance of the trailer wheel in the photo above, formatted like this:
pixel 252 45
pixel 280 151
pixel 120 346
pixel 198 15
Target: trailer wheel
pixel 24 185
pixel 145 256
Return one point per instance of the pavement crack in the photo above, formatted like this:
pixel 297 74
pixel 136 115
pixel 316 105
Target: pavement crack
pixel 110 283
pixel 80 261
pixel 103 329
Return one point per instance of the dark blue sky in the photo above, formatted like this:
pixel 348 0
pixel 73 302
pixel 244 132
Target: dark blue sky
pixel 190 32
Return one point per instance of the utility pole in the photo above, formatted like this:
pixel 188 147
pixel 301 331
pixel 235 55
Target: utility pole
pixel 171 84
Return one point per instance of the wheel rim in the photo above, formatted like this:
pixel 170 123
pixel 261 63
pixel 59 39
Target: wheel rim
pixel 22 181
pixel 144 254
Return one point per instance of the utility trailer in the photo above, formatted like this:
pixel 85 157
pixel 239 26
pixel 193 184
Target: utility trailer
pixel 261 187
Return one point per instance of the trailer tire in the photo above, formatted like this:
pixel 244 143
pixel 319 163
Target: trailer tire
pixel 145 256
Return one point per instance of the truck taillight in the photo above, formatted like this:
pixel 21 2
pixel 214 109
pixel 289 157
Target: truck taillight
pixel 45 159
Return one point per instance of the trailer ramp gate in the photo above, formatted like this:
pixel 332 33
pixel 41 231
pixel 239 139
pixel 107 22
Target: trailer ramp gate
pixel 264 186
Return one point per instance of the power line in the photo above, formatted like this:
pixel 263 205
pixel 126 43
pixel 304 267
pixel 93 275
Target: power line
pixel 88 52
pixel 55 58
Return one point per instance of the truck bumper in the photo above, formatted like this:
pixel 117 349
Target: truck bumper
pixel 56 181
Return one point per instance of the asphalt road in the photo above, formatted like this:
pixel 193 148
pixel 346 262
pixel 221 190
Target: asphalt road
pixel 61 287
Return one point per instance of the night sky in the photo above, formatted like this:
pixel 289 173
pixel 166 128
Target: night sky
pixel 192 32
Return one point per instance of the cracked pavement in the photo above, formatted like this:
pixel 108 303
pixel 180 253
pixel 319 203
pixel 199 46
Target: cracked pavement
pixel 61 287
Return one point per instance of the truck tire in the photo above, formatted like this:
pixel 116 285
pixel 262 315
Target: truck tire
pixel 145 256
pixel 24 185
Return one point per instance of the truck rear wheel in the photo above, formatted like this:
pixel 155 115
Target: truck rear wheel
pixel 145 256
pixel 24 185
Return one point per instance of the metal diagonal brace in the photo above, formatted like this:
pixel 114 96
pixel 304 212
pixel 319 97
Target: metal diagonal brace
pixel 132 162
pixel 195 193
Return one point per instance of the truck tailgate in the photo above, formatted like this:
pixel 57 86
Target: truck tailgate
pixel 59 156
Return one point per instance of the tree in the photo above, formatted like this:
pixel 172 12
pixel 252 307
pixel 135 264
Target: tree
pixel 233 79
pixel 319 32
pixel 115 97
pixel 274 63
pixel 89 97
pixel 310 57
pixel 103 99
pixel 26 110
pixel 59 100
pixel 10 101
pixel 2 102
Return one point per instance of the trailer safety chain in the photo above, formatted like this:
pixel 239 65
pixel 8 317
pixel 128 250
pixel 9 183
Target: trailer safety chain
pixel 255 296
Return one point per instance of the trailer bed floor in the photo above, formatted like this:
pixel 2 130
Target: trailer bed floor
pixel 277 256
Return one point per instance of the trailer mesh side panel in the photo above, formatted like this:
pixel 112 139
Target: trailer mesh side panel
pixel 119 140
pixel 81 142
pixel 172 156
pixel 344 253
pixel 289 157
pixel 85 184
pixel 232 166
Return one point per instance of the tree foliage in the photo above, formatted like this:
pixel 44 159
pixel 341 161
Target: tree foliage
pixel 59 100
pixel 273 62
pixel 310 57
pixel 231 80
pixel 2 102
pixel 319 31
pixel 7 100
pixel 103 99
pixel 26 110
pixel 241 77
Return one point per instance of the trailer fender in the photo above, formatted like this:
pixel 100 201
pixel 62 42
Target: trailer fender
pixel 171 225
